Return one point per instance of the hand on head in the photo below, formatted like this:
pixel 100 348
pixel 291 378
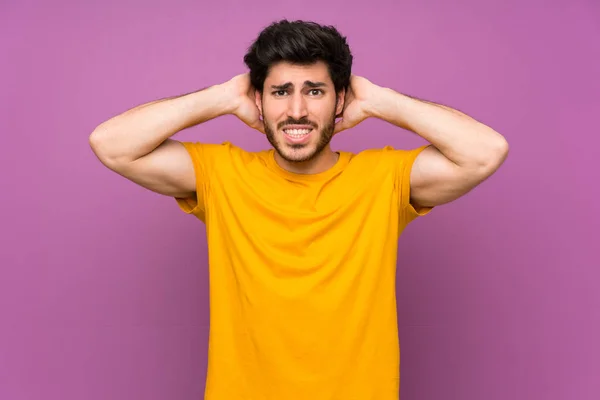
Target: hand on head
pixel 244 101
pixel 356 103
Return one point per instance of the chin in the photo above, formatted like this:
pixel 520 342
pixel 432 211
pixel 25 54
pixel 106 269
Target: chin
pixel 297 153
pixel 298 150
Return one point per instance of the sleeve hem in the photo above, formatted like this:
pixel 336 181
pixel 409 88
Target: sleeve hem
pixel 193 205
pixel 407 205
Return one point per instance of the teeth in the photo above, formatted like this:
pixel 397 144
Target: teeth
pixel 297 133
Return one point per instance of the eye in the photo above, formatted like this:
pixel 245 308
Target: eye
pixel 315 92
pixel 279 93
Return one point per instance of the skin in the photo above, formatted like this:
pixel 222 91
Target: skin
pixel 463 154
pixel 137 144
pixel 300 95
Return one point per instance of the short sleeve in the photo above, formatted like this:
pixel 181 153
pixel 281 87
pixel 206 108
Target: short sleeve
pixel 403 162
pixel 204 158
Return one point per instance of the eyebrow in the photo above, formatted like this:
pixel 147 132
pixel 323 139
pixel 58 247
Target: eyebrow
pixel 309 84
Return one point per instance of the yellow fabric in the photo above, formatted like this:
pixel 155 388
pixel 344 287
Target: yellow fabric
pixel 302 273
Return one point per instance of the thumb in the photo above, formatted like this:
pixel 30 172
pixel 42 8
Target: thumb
pixel 259 125
pixel 339 126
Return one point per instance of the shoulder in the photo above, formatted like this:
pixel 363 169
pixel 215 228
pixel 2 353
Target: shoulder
pixel 225 161
pixel 389 156
pixel 220 151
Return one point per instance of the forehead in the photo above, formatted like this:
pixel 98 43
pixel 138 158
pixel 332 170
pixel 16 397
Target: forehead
pixel 285 72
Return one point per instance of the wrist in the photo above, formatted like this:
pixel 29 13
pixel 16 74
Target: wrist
pixel 227 100
pixel 376 103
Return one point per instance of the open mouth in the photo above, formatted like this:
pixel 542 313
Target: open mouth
pixel 297 133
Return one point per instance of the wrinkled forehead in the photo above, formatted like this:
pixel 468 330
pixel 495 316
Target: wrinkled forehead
pixel 298 75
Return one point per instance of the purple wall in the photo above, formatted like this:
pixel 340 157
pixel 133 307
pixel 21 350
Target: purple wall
pixel 103 285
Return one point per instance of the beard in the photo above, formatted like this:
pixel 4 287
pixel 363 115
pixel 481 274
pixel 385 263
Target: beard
pixel 294 152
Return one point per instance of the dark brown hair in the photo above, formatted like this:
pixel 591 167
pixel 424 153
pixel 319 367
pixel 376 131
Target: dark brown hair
pixel 299 42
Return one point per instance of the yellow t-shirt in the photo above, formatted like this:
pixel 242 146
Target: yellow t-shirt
pixel 302 273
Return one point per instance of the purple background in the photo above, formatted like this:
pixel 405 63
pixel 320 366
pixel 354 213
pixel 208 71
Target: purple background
pixel 103 285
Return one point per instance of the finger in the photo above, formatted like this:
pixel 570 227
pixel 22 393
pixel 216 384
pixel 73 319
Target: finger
pixel 339 126
pixel 259 126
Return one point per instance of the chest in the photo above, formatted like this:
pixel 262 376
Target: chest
pixel 304 218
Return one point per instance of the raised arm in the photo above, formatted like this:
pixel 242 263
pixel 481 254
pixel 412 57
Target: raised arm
pixel 463 152
pixel 137 144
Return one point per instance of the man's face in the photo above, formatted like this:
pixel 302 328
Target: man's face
pixel 299 105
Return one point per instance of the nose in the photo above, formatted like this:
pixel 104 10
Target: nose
pixel 297 107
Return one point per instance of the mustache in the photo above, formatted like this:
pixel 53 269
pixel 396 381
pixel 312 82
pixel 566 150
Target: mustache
pixel 291 121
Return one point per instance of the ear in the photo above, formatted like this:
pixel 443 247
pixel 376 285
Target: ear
pixel 258 101
pixel 341 98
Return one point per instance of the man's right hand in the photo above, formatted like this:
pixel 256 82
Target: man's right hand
pixel 244 95
pixel 137 144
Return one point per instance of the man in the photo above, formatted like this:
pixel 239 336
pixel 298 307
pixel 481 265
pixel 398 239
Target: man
pixel 302 239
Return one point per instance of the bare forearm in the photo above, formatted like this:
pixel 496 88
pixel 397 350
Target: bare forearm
pixel 460 138
pixel 137 132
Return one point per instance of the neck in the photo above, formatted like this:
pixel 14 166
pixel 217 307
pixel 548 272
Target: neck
pixel 320 163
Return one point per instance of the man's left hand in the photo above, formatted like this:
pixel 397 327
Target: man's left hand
pixel 356 103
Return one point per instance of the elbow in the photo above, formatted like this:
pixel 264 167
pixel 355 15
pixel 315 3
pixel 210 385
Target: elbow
pixel 500 152
pixel 495 156
pixel 100 143
pixel 97 141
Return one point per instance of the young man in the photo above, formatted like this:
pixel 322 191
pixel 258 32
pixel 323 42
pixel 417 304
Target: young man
pixel 302 239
